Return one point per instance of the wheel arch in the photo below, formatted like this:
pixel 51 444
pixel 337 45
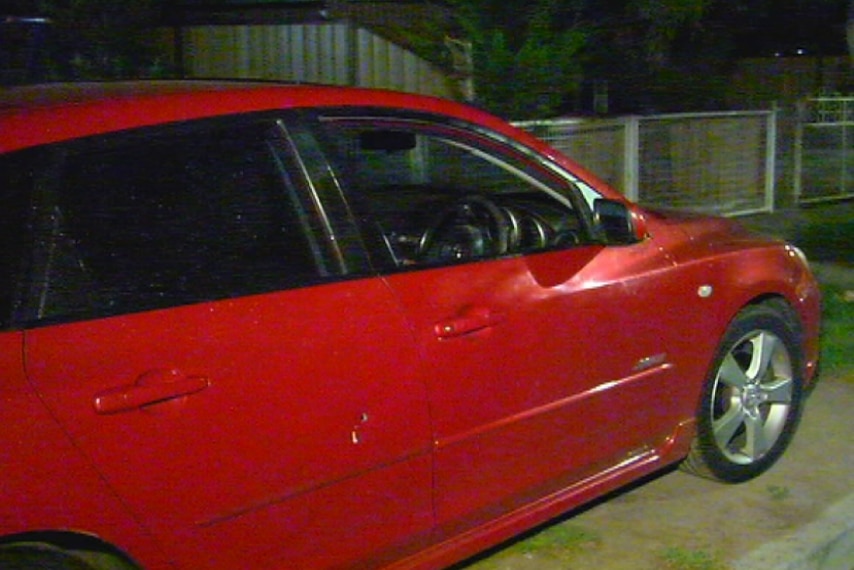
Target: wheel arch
pixel 783 305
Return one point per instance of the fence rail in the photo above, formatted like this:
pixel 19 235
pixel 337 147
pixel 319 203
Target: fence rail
pixel 721 163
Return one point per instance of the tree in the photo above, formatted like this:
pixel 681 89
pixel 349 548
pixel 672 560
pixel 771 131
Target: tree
pixel 658 54
pixel 849 31
pixel 530 58
pixel 526 56
pixel 101 39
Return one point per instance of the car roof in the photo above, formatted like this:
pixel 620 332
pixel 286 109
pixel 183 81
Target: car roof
pixel 34 115
pixel 40 114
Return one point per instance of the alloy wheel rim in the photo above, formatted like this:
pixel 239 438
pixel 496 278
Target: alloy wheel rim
pixel 752 397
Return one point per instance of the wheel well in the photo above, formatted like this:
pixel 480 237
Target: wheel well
pixel 784 308
pixel 96 552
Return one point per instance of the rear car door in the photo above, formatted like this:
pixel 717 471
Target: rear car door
pixel 525 318
pixel 252 397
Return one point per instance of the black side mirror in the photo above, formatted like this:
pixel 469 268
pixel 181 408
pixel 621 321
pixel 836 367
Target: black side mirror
pixel 617 222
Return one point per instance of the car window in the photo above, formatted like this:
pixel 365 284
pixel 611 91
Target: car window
pixel 442 195
pixel 172 217
pixel 16 181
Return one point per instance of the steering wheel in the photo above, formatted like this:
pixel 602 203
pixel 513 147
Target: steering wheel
pixel 473 226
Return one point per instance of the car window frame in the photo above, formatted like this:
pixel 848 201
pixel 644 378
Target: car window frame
pixel 46 183
pixel 476 136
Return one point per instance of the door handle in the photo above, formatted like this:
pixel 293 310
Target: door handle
pixel 468 321
pixel 152 387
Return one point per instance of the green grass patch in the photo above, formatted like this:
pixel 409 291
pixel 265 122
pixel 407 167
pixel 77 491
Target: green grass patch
pixel 837 332
pixel 561 541
pixel 677 558
pixel 778 492
pixel 827 234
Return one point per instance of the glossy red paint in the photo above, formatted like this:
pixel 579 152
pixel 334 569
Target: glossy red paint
pixel 403 419
pixel 298 363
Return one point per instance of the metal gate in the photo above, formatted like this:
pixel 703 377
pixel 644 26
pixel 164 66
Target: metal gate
pixel 824 149
pixel 720 163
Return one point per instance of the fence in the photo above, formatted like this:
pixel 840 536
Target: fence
pixel 720 163
pixel 334 53
pixel 824 149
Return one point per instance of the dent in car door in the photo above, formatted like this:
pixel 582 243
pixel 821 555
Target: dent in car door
pixel 247 414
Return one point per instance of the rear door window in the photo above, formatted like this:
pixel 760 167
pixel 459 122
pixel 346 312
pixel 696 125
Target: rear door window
pixel 176 216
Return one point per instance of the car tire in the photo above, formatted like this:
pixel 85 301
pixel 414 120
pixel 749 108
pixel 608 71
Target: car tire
pixel 39 557
pixel 752 397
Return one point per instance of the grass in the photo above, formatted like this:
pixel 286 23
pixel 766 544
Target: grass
pixel 677 558
pixel 562 540
pixel 826 233
pixel 561 543
pixel 778 492
pixel 837 334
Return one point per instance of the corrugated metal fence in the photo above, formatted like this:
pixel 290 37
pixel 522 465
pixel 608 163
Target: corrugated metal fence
pixel 333 53
pixel 722 163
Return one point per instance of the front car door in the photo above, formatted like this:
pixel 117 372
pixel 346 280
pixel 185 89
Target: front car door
pixel 253 398
pixel 538 362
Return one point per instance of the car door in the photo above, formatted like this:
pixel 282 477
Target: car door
pixel 533 330
pixel 251 397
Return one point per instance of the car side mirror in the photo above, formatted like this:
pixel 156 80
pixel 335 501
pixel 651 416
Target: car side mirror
pixel 618 222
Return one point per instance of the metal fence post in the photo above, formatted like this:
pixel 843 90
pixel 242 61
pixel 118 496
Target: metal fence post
pixel 771 158
pixel 798 150
pixel 843 174
pixel 631 159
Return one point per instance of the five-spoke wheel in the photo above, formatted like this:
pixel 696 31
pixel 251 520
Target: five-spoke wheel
pixel 752 398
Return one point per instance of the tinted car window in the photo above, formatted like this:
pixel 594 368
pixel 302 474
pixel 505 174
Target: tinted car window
pixel 161 219
pixel 442 195
pixel 16 181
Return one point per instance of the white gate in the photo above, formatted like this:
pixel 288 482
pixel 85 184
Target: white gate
pixel 824 149
pixel 720 163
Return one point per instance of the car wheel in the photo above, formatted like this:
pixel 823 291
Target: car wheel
pixel 751 400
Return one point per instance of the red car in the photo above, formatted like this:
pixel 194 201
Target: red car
pixel 264 326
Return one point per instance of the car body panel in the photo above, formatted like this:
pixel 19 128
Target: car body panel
pixel 544 399
pixel 375 415
pixel 36 459
pixel 299 403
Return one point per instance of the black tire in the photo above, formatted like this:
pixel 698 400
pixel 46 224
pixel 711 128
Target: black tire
pixel 39 557
pixel 752 398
